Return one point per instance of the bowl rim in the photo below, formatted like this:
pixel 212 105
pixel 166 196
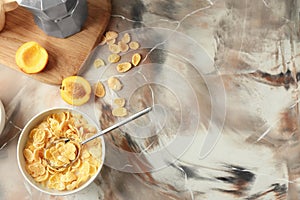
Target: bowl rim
pixel 33 122
pixel 2 117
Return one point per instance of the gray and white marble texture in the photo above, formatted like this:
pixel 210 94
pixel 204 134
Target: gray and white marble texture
pixel 223 78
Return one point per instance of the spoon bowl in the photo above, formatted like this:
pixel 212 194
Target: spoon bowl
pixel 63 141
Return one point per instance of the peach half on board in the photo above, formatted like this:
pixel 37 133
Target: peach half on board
pixel 31 57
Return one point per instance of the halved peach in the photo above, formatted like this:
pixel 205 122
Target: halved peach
pixel 31 57
pixel 75 90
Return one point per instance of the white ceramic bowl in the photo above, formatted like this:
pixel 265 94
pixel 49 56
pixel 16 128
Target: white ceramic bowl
pixel 22 142
pixel 2 117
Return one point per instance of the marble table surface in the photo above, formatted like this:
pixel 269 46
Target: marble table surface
pixel 222 76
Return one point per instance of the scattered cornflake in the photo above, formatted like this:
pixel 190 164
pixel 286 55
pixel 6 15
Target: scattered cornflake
pixel 123 46
pixel 124 67
pixel 99 89
pixel 114 48
pixel 134 45
pixel 99 63
pixel 120 102
pixel 109 42
pixel 114 58
pixel 110 35
pixel 119 112
pixel 114 83
pixel 136 58
pixel 126 38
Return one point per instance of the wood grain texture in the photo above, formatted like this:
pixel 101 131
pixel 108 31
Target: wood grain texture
pixel 67 55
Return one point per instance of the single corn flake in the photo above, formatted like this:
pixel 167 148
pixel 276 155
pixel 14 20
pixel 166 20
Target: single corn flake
pixel 84 170
pixel 99 63
pixel 39 145
pixel 120 102
pixel 68 177
pixel 70 147
pixel 85 154
pixel 37 154
pixel 110 35
pixel 99 89
pixel 48 154
pixel 70 150
pixel 72 185
pixel 126 38
pixel 124 67
pixel 114 58
pixel 93 169
pixel 55 182
pixel 114 48
pixel 123 46
pixel 136 58
pixel 119 112
pixel 60 117
pixel 63 159
pixel 42 177
pixel 39 137
pixel 36 169
pixel 114 83
pixel 109 42
pixel 134 45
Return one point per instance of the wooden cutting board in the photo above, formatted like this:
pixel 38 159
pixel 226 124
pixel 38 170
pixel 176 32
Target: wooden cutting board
pixel 66 55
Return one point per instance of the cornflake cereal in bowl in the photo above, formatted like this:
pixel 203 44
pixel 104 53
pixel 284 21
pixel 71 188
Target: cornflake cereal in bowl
pixel 33 155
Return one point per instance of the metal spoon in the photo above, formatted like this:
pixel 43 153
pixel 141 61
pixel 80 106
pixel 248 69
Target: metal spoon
pixel 100 133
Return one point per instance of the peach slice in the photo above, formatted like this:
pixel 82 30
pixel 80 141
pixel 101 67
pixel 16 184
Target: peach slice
pixel 75 90
pixel 31 57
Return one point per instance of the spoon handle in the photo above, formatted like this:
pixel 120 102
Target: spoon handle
pixel 125 121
